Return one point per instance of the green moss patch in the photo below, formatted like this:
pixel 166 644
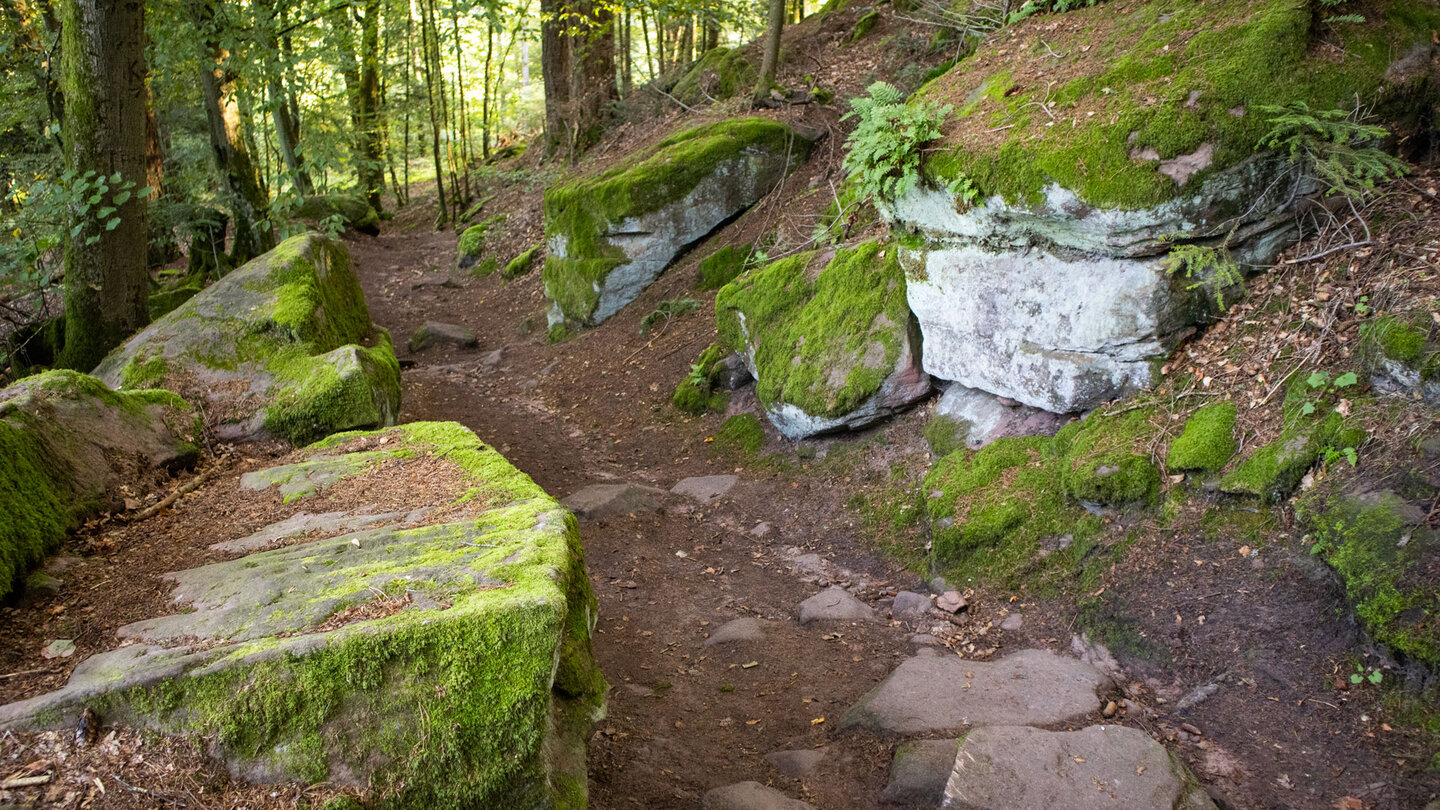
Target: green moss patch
pixel 1380 546
pixel 1159 79
pixel 696 394
pixel 821 341
pixel 722 266
pixel 1106 460
pixel 522 264
pixel 1390 338
pixel 471 253
pixel 946 434
pixel 1208 441
pixel 741 435
pixel 1274 470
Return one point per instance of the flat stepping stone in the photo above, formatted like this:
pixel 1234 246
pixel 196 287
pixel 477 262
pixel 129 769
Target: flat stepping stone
pixel 303 523
pixel 612 500
pixel 835 604
pixel 750 796
pixel 435 333
pixel 736 630
pixel 801 762
pixel 919 772
pixel 943 694
pixel 1096 768
pixel 706 488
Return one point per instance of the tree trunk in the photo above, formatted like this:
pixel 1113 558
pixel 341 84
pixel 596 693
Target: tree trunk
pixel 106 284
pixel 555 70
pixel 248 200
pixel 687 42
pixel 627 78
pixel 462 128
pixel 771 60
pixel 287 129
pixel 645 34
pixel 485 99
pixel 371 158
pixel 593 74
pixel 432 83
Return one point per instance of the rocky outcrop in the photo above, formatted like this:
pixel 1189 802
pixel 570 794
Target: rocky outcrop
pixel 828 338
pixel 980 418
pixel 282 346
pixel 67 444
pixel 351 210
pixel 611 234
pixel 442 660
pixel 1042 275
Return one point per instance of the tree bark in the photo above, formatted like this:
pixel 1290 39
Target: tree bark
pixel 593 74
pixel 106 284
pixel 432 84
pixel 555 70
pixel 248 201
pixel 371 159
pixel 771 60
pixel 287 129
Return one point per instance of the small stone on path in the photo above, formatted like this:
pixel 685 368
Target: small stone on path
pixel 944 694
pixel 59 648
pixel 744 628
pixel 706 488
pixel 1100 767
pixel 951 602
pixel 835 604
pixel 797 764
pixel 434 333
pixel 491 360
pixel 919 772
pixel 760 530
pixel 750 796
pixel 611 500
pixel 909 605
pixel 1012 622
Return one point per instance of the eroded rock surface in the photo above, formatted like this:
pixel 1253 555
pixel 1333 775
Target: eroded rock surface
pixel 462 640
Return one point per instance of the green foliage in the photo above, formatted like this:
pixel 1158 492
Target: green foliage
pixel 1212 269
pixel 1032 7
pixel 1331 146
pixel 884 149
pixel 666 310
pixel 742 435
pixel 41 217
pixel 696 394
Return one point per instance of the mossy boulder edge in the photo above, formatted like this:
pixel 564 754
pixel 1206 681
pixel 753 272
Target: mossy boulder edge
pixel 67 443
pixel 828 338
pixel 476 690
pixel 352 209
pixel 282 347
pixel 610 234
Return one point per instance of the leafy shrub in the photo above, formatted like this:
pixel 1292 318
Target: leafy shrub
pixel 884 156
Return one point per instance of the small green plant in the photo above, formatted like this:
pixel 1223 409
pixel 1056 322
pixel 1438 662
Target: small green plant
pixel 666 310
pixel 1361 675
pixel 697 375
pixel 1210 268
pixel 1048 6
pixel 1362 307
pixel 884 156
pixel 1321 384
pixel 1333 147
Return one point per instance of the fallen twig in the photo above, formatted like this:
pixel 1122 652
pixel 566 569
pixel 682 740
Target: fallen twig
pixel 187 487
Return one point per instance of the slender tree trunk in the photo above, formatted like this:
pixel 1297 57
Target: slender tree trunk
pixel 649 55
pixel 409 101
pixel 485 99
pixel 287 130
pixel 432 81
pixel 372 122
pixel 627 77
pixel 687 42
pixel 771 60
pixel 44 65
pixel 248 200
pixel 106 284
pixel 461 114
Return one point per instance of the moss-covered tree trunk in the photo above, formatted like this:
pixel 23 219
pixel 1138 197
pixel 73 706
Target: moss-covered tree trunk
pixel 106 283
pixel 249 202
pixel 771 60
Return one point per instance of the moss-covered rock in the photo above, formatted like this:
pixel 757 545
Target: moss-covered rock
pixel 1106 459
pixel 282 346
pixel 696 393
pixel 522 264
pixel 352 209
pixel 719 74
pixel 438 663
pixel 67 444
pixel 1150 141
pixel 1274 470
pixel 1383 550
pixel 1401 358
pixel 722 266
pixel 1208 441
pixel 470 251
pixel 828 338
pixel 611 233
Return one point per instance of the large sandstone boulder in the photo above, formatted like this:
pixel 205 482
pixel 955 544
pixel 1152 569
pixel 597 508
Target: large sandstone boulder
pixel 1046 283
pixel 828 337
pixel 67 443
pixel 441 661
pixel 349 209
pixel 610 234
pixel 282 346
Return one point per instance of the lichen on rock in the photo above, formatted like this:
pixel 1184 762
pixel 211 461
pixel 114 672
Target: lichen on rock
pixel 610 234
pixel 282 346
pixel 67 444
pixel 475 687
pixel 827 336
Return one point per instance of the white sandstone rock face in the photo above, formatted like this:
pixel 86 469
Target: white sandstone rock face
pixel 1061 305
